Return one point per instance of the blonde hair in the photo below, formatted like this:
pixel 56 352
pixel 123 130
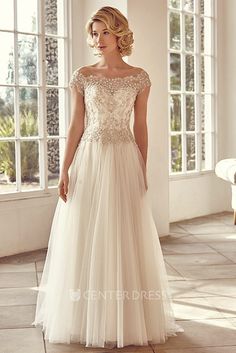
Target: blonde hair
pixel 117 24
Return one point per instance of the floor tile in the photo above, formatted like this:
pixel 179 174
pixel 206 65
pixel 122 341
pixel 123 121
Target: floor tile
pixel 16 316
pixel 186 248
pixel 201 333
pixel 17 296
pixel 176 239
pixel 18 279
pixel 195 309
pixel 203 288
pixel 212 238
pixel 29 267
pixel 223 246
pixel 231 255
pixel 207 271
pixel 226 305
pixel 222 349
pixel 209 228
pixel 29 340
pixel 176 228
pixel 196 259
pixel 184 289
pixel 173 275
pixel 215 287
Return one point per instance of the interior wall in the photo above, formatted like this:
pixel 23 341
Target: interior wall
pixel 150 48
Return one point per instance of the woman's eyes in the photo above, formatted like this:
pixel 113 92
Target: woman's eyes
pixel 105 32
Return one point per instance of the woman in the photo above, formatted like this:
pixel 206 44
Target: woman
pixel 104 282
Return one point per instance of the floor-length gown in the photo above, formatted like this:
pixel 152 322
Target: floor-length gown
pixel 104 280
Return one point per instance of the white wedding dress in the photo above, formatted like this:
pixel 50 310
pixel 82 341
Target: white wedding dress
pixel 104 282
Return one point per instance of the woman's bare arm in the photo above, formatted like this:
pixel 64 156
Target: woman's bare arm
pixel 76 128
pixel 74 134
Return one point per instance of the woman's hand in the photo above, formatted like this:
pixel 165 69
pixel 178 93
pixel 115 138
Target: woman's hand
pixel 63 186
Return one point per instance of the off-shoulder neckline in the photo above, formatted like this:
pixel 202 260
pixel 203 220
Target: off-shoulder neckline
pixel 112 78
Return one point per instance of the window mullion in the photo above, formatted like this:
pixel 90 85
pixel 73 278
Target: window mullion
pixel 214 91
pixel 198 87
pixel 183 94
pixel 43 160
pixel 16 103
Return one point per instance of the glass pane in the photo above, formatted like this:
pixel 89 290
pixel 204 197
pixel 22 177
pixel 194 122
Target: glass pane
pixel 206 110
pixel 206 162
pixel 175 112
pixel 176 153
pixel 206 35
pixel 189 32
pixel 6 16
pixel 51 61
pixel 174 3
pixel 27 15
pixel 190 113
pixel 7 123
pixel 52 112
pixel 175 30
pixel 202 6
pixel 54 17
pixel 53 162
pixel 190 140
pixel 30 165
pixel 188 5
pixel 28 99
pixel 51 17
pixel 189 67
pixel 28 50
pixel 7 58
pixel 7 166
pixel 175 72
pixel 202 74
pixel 202 34
pixel 54 59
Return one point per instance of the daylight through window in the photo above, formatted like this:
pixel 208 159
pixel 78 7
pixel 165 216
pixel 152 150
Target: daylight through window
pixel 191 68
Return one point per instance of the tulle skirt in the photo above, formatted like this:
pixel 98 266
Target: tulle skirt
pixel 104 280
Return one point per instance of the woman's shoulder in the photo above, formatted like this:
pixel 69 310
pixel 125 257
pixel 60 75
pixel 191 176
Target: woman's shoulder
pixel 93 69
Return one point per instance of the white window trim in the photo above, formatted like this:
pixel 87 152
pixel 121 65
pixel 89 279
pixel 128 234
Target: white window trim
pixel 195 173
pixel 45 191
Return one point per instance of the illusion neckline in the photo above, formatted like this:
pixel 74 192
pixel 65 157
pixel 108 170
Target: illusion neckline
pixel 112 78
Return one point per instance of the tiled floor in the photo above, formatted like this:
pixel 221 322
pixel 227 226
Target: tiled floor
pixel 200 256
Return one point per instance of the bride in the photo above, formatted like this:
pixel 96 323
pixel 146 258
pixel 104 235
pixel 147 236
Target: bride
pixel 104 282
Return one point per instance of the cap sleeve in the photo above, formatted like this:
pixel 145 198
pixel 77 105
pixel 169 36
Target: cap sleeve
pixel 77 80
pixel 144 81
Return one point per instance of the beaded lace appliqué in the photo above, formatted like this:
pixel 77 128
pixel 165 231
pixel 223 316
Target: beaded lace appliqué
pixel 108 105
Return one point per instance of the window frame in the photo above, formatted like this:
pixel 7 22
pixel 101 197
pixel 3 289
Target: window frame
pixel 197 92
pixel 44 190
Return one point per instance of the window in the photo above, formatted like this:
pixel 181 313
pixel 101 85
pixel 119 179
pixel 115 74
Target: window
pixel 33 94
pixel 191 73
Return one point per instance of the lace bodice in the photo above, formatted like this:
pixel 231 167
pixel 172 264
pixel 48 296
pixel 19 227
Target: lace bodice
pixel 108 104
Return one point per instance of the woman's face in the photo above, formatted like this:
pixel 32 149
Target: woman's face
pixel 103 39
